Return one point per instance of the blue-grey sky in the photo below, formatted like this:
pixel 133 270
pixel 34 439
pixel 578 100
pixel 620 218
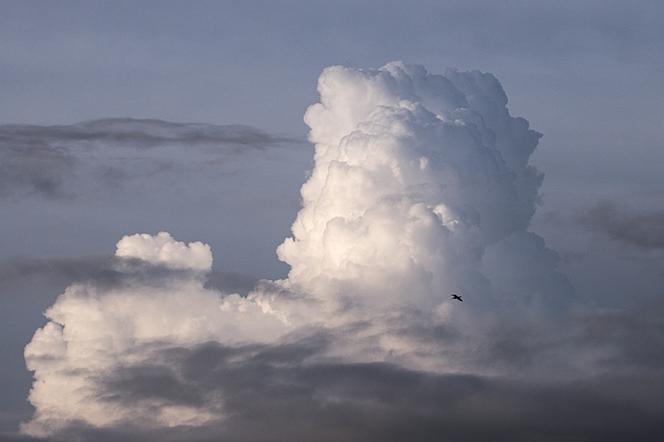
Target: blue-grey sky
pixel 569 66
pixel 589 75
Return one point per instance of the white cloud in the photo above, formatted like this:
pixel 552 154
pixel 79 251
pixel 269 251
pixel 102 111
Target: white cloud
pixel 415 176
pixel 93 329
pixel 421 187
pixel 162 249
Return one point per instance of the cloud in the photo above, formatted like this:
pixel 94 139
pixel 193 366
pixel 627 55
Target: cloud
pixel 34 168
pixel 273 392
pixel 173 360
pixel 643 230
pixel 141 133
pixel 416 176
pixel 108 271
pixel 163 250
pixel 627 337
pixel 421 186
pixel 171 305
pixel 295 401
pixel 49 161
pixel 13 271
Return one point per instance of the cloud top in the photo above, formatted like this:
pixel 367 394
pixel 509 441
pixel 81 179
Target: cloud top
pixel 416 176
pixel 162 249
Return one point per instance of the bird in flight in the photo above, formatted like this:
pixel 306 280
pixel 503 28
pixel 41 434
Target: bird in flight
pixel 457 297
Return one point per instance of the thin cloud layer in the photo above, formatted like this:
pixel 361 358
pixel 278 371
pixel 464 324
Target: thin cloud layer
pixel 140 133
pixel 638 229
pixel 34 168
pixel 421 187
pixel 49 161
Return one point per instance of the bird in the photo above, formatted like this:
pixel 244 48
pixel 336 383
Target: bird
pixel 457 297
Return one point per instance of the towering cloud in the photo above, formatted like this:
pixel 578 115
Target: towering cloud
pixel 163 250
pixel 421 186
pixel 416 175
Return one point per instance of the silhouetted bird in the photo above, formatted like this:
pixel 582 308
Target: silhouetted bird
pixel 457 297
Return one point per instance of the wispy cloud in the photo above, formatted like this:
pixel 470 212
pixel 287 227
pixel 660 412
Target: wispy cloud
pixel 33 167
pixel 643 229
pixel 139 133
pixel 107 271
pixel 47 161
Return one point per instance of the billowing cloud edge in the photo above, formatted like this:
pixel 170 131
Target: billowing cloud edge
pixel 421 187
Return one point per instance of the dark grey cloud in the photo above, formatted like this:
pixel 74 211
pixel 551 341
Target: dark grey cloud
pixel 644 229
pixel 107 271
pixel 49 160
pixel 11 437
pixel 134 132
pixel 15 270
pixel 280 393
pixel 623 341
pixel 633 338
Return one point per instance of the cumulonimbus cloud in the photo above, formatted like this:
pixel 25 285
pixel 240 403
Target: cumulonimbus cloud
pixel 421 186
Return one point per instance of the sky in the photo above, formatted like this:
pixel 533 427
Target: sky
pixel 318 217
